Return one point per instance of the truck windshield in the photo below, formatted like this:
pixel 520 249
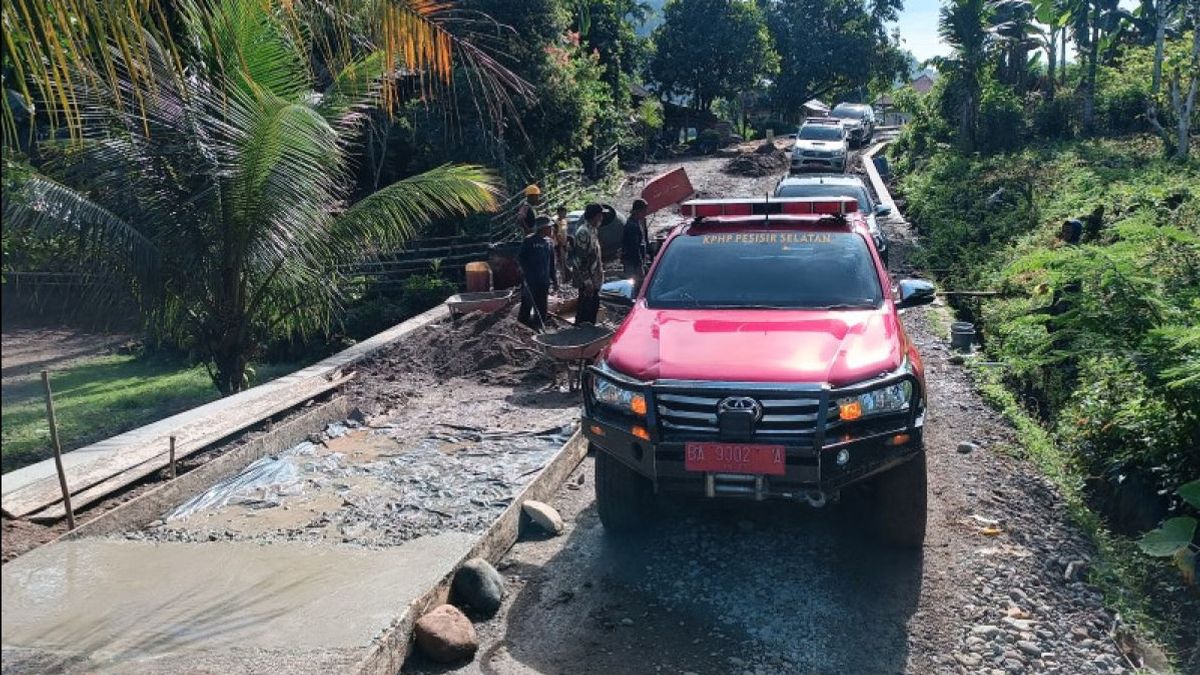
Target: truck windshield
pixel 765 269
pixel 848 112
pixel 820 132
pixel 824 190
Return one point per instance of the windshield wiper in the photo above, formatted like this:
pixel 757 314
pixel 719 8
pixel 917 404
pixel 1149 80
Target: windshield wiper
pixel 847 305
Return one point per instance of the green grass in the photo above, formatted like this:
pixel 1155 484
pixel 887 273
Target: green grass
pixel 99 398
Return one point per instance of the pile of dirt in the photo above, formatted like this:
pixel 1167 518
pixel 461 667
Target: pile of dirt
pixel 490 348
pixel 765 160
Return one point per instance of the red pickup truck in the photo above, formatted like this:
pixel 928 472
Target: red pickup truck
pixel 764 357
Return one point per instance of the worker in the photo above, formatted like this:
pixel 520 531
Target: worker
pixel 1071 231
pixel 635 244
pixel 561 244
pixel 587 269
pixel 536 259
pixel 527 211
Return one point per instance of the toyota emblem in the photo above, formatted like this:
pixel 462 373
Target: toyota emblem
pixel 743 404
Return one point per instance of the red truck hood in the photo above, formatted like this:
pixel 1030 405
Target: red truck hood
pixel 834 347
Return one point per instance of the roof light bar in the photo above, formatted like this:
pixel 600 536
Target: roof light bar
pixel 790 206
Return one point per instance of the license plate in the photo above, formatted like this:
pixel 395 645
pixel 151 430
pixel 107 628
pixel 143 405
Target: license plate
pixel 735 458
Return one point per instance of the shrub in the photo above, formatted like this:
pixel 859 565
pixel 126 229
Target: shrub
pixel 1054 118
pixel 1001 119
pixel 424 292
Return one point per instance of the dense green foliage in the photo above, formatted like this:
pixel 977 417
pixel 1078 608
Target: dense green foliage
pixel 734 56
pixel 1103 336
pixel 831 48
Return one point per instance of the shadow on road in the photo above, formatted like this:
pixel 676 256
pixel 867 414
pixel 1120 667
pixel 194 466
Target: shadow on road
pixel 716 587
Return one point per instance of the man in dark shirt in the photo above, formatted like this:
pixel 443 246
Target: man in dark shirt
pixel 536 258
pixel 635 244
pixel 527 211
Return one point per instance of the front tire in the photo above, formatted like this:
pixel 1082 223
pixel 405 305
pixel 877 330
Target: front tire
pixel 902 504
pixel 624 498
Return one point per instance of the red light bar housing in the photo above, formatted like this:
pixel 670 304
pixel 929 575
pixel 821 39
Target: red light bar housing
pixel 769 206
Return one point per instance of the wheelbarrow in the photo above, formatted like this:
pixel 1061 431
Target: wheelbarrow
pixel 484 301
pixel 575 348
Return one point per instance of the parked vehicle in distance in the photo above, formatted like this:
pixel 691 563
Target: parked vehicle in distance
pixel 859 119
pixel 840 185
pixel 763 357
pixel 820 146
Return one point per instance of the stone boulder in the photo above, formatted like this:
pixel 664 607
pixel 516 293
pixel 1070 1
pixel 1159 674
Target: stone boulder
pixel 478 585
pixel 446 635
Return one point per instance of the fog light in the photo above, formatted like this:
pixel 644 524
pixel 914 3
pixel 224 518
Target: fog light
pixel 640 432
pixel 843 456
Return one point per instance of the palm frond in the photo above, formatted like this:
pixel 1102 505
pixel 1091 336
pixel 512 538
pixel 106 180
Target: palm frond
pixel 47 208
pixel 391 216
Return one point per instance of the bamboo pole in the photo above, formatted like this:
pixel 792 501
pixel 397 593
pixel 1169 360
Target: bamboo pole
pixel 172 473
pixel 62 474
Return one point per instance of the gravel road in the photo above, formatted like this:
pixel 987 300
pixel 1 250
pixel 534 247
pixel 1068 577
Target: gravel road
pixel 715 587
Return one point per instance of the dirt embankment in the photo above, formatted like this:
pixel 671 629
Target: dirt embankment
pixel 765 160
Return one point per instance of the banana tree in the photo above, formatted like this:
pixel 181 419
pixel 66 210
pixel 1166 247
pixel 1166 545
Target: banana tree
pixel 212 174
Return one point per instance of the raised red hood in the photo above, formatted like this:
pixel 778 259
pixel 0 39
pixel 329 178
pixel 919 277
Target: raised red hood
pixel 834 347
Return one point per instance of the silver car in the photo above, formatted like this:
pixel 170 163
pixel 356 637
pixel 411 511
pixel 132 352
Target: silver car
pixel 820 146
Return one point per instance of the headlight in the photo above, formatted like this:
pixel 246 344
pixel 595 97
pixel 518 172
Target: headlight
pixel 608 393
pixel 893 398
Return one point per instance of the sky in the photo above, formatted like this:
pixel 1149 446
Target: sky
pixel 918 29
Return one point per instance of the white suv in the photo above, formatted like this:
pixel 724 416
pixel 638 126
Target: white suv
pixel 821 145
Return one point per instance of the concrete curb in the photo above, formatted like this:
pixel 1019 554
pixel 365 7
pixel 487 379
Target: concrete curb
pixel 145 508
pixel 394 645
pixel 882 194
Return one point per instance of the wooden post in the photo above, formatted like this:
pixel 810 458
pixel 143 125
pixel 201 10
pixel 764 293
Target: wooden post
pixel 62 474
pixel 172 457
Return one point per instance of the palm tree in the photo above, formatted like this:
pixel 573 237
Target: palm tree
pixel 963 24
pixel 212 174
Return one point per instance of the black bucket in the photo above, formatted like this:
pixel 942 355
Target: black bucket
pixel 962 335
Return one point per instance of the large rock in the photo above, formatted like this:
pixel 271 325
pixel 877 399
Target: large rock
pixel 479 585
pixel 544 516
pixel 446 635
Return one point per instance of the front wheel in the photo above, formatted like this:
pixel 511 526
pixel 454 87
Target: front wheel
pixel 624 498
pixel 902 501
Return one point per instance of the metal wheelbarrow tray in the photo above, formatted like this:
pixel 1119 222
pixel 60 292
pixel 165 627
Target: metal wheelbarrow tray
pixel 485 301
pixel 575 346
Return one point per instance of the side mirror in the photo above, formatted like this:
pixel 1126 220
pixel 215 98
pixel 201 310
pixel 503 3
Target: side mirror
pixel 883 210
pixel 915 292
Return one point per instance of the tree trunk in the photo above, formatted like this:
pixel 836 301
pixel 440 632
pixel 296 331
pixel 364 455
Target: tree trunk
pixel 1051 64
pixel 1063 58
pixel 1088 116
pixel 1160 31
pixel 1186 107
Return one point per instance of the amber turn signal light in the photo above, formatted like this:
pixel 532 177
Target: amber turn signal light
pixel 898 439
pixel 640 432
pixel 850 410
pixel 638 405
pixel 597 429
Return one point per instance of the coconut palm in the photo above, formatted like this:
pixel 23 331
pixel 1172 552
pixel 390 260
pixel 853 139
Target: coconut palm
pixel 964 25
pixel 212 175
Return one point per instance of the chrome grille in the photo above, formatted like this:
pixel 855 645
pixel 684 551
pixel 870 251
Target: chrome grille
pixel 694 414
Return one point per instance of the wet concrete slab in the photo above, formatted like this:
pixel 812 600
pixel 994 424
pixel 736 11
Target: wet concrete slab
pixel 132 606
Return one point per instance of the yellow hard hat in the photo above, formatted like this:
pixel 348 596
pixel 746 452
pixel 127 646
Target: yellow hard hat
pixel 532 190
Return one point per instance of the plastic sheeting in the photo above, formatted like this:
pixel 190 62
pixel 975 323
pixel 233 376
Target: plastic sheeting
pixel 262 484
